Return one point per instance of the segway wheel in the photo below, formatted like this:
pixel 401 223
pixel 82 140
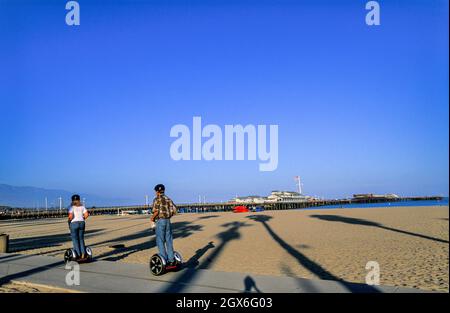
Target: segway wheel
pixel 178 258
pixel 89 253
pixel 157 265
pixel 69 255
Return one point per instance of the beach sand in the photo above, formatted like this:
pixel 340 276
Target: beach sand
pixel 409 243
pixel 25 287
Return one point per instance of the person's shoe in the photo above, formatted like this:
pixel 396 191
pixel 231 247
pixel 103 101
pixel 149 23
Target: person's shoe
pixel 82 258
pixel 171 264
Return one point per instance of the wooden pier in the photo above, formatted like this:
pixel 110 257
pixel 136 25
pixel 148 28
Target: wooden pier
pixel 19 213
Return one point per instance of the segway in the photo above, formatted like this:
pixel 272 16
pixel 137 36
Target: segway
pixel 158 264
pixel 70 255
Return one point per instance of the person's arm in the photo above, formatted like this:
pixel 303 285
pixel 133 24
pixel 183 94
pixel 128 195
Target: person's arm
pixel 85 214
pixel 174 208
pixel 70 214
pixel 154 211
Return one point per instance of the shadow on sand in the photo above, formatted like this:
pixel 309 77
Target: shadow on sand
pixel 307 263
pixel 357 221
pixel 207 217
pixel 188 275
pixel 179 229
pixel 47 241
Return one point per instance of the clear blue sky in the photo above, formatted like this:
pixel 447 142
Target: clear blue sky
pixel 359 109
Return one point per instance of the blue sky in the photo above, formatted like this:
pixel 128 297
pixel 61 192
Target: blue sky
pixel 359 109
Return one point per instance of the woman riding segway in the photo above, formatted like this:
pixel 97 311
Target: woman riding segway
pixel 77 217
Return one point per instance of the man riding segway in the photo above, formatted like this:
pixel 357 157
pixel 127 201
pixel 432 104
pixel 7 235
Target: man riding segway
pixel 163 209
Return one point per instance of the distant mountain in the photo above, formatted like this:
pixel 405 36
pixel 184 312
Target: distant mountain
pixel 32 197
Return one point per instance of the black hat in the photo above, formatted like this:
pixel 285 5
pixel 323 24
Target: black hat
pixel 75 197
pixel 160 188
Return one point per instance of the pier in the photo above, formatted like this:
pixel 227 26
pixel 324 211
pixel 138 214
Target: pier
pixel 23 213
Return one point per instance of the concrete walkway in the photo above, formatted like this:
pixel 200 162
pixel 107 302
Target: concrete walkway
pixel 104 276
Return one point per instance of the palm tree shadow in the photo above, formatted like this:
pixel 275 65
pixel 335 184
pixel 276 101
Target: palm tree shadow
pixel 231 233
pixel 194 261
pixel 207 217
pixel 358 221
pixel 304 261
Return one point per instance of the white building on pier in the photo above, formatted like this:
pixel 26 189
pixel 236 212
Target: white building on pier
pixel 275 196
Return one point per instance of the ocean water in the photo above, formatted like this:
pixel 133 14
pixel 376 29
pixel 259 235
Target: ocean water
pixel 443 202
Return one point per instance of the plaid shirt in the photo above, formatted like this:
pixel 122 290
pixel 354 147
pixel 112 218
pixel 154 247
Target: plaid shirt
pixel 164 206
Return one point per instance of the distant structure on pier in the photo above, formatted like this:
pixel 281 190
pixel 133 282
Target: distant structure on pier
pixel 371 196
pixel 298 182
pixel 275 196
pixel 278 196
pixel 4 210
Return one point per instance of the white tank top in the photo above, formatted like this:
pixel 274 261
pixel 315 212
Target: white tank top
pixel 77 212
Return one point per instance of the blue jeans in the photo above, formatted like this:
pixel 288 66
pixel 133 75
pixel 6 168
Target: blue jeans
pixel 77 234
pixel 164 239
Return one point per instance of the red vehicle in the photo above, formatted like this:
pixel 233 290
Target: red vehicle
pixel 240 209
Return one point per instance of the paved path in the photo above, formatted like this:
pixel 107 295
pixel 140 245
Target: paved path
pixel 104 276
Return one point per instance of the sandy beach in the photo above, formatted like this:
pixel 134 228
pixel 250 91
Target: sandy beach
pixel 409 243
pixel 25 287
